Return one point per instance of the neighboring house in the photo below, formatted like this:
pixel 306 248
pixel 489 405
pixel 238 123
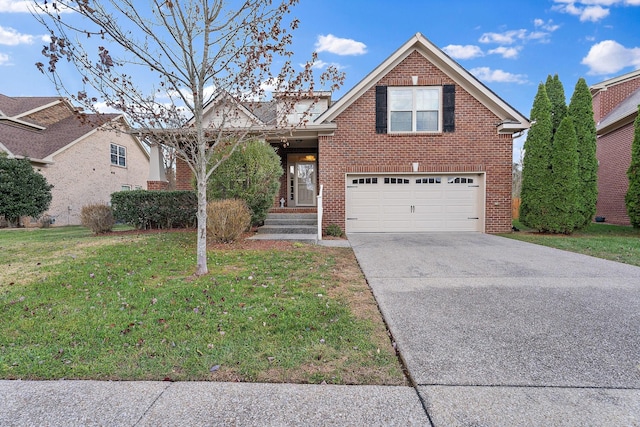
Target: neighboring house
pixel 615 107
pixel 418 145
pixel 85 160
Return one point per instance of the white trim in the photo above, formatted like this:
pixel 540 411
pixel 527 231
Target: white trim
pixel 614 81
pixel 22 122
pixel 43 107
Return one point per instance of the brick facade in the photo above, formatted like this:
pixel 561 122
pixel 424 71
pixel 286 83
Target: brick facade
pixel 184 177
pixel 614 150
pixel 474 146
pixel 157 185
pixel 614 157
pixel 604 101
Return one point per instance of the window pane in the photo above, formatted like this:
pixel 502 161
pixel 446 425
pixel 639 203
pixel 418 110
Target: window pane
pixel 400 99
pixel 121 161
pixel 400 121
pixel 114 159
pixel 427 121
pixel 121 151
pixel 427 99
pixel 114 149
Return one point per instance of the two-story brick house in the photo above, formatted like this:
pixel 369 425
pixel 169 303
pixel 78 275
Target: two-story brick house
pixel 85 160
pixel 418 145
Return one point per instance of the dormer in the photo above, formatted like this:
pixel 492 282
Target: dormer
pixel 306 108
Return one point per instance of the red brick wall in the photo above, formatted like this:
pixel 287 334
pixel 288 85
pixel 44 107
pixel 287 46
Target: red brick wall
pixel 614 95
pixel 157 185
pixel 183 176
pixel 474 146
pixel 614 157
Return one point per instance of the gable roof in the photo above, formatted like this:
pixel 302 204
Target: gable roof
pixel 29 126
pixel 512 120
pixel 622 114
pixel 17 107
pixel 614 81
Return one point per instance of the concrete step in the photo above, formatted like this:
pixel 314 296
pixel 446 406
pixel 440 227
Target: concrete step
pixel 288 229
pixel 301 237
pixel 271 215
pixel 291 221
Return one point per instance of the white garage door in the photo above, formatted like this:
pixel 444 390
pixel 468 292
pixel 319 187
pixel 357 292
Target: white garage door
pixel 412 203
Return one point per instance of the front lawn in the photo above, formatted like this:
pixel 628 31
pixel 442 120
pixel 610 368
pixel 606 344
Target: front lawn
pixel 612 242
pixel 126 307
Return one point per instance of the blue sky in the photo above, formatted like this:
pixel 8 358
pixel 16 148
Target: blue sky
pixel 511 46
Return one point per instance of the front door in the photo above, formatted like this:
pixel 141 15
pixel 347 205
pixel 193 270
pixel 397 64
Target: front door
pixel 305 184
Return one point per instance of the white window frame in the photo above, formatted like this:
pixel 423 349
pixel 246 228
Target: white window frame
pixel 414 110
pixel 119 155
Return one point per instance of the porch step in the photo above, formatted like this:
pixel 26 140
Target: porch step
pixel 306 238
pixel 290 223
pixel 288 229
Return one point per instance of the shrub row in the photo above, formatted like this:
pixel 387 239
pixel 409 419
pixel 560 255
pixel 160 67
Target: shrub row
pixel 155 209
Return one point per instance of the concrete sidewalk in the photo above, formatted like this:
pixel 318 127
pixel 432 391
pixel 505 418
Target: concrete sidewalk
pixel 102 403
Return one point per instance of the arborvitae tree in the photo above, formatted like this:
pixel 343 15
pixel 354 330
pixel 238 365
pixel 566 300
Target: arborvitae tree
pixel 555 92
pixel 537 163
pixel 581 112
pixel 563 191
pixel 632 199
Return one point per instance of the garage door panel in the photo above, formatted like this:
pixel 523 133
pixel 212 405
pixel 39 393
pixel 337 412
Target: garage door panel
pixel 415 203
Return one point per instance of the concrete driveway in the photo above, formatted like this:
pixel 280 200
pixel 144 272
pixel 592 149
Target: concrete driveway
pixel 499 332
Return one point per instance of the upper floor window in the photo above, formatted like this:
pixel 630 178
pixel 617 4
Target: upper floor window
pixel 407 109
pixel 414 109
pixel 118 155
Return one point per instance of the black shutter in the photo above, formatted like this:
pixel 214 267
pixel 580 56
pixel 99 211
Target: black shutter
pixel 381 109
pixel 449 108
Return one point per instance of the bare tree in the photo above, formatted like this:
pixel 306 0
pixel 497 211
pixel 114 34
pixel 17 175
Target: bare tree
pixel 198 53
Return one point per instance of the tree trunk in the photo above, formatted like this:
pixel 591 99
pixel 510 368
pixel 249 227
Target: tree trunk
pixel 201 185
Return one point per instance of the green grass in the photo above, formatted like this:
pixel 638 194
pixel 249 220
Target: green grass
pixel 612 242
pixel 126 307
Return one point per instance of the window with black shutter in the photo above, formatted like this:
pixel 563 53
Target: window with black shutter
pixel 411 109
pixel 381 109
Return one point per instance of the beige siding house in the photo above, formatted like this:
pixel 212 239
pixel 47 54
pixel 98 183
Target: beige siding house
pixel 85 159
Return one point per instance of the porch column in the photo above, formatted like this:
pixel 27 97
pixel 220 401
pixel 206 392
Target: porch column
pixel 157 177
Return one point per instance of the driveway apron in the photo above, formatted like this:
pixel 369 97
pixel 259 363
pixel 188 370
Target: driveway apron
pixel 495 331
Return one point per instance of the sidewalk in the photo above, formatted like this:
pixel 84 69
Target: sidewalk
pixel 114 404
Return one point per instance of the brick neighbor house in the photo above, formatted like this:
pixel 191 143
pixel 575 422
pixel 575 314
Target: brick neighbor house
pixel 418 145
pixel 85 160
pixel 615 107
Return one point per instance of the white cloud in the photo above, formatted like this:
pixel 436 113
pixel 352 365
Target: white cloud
pixel 609 57
pixel 488 75
pixel 547 26
pixel 11 37
pixel 463 52
pixel 4 59
pixel 340 46
pixel 508 37
pixel 591 10
pixel 28 6
pixel 593 13
pixel 506 52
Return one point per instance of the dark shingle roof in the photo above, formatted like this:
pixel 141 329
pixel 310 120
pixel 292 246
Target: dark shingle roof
pixel 36 143
pixel 15 106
